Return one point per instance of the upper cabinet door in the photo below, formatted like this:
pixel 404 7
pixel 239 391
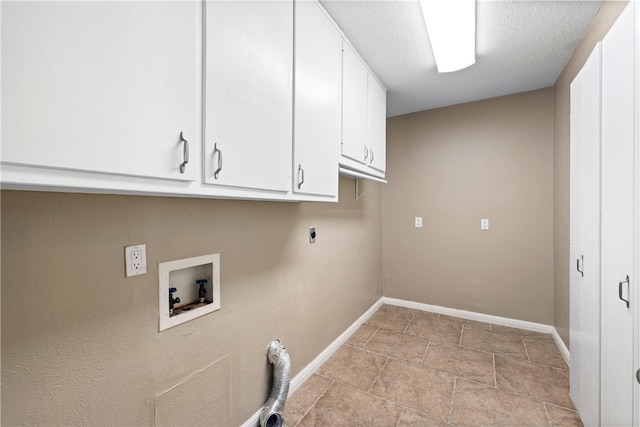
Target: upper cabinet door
pixel 249 94
pixel 377 121
pixel 354 106
pixel 100 86
pixel 318 61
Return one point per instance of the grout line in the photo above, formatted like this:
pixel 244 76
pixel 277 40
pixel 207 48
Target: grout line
pixel 317 400
pixel 461 332
pixel 495 372
pixel 378 376
pixel 524 344
pixel 453 398
pixel 413 316
pixel 400 417
pixel 424 355
pixel 547 412
pixel 370 338
pixel 560 406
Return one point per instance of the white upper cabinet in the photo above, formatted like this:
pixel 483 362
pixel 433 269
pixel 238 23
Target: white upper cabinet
pixel 249 94
pixel 184 98
pixel 354 106
pixel 377 125
pixel 100 86
pixel 364 110
pixel 317 119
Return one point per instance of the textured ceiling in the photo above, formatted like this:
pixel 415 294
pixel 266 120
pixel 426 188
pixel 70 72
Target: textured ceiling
pixel 521 45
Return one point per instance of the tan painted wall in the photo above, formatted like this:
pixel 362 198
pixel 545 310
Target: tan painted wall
pixel 453 166
pixel 601 24
pixel 80 342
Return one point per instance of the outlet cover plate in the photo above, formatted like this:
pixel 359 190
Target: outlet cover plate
pixel 135 260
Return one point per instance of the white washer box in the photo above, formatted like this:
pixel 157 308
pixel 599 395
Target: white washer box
pixel 183 275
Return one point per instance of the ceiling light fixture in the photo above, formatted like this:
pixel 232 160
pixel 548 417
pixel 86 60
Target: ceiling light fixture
pixel 451 25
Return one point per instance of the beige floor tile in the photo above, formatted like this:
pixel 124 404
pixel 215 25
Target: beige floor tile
pixel 460 361
pixel 474 323
pixel 495 342
pixel 357 387
pixel 480 405
pixel 345 406
pixel 417 312
pixel 400 346
pixel 562 417
pixel 353 366
pixel 422 389
pixel 540 382
pixel 440 330
pixel 361 336
pixel 390 319
pixel 517 331
pixel 304 398
pixel 410 418
pixel 544 350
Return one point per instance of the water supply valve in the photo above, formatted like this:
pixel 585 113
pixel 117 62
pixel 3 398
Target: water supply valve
pixel 202 291
pixel 172 300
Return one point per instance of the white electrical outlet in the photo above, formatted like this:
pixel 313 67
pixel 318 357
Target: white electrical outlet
pixel 418 222
pixel 135 260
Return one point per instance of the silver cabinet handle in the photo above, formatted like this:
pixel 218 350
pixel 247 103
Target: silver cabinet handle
pixel 216 173
pixel 185 153
pixel 620 290
pixel 300 176
pixel 371 157
pixel 366 153
pixel 578 265
pixel 638 376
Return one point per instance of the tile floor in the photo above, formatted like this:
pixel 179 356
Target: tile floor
pixel 406 367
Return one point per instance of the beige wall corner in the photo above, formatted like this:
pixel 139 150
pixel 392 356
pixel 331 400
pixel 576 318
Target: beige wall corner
pixel 600 26
pixel 80 342
pixel 454 166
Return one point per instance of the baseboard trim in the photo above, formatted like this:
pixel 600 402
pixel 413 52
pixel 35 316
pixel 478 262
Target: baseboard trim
pixel 304 375
pixel 487 318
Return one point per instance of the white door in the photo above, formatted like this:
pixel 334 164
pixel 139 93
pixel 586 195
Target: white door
pixel 317 116
pixel 617 343
pixel 354 106
pixel 100 86
pixel 585 240
pixel 377 125
pixel 249 94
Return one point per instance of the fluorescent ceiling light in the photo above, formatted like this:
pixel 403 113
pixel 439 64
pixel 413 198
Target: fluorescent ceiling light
pixel 451 25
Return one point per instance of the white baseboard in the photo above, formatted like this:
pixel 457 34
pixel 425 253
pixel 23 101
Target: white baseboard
pixel 487 318
pixel 304 375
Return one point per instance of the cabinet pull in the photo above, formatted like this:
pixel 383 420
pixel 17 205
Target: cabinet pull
pixel 185 153
pixel 300 176
pixel 578 265
pixel 620 290
pixel 638 376
pixel 366 153
pixel 371 157
pixel 216 173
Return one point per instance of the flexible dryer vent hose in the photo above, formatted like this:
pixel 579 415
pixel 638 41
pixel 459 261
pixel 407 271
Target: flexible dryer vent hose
pixel 272 412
